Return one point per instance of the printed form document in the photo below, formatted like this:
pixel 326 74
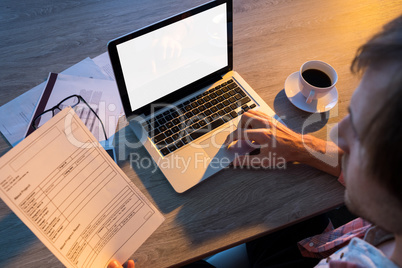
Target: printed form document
pixel 62 184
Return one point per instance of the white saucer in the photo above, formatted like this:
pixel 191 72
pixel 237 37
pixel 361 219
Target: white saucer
pixel 320 105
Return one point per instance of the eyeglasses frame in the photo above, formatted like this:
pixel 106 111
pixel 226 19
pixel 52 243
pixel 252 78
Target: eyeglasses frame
pixel 80 98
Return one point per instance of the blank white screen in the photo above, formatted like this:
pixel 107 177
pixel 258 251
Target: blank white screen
pixel 162 61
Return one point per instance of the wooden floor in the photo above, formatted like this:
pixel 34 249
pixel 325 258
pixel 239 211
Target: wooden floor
pixel 272 39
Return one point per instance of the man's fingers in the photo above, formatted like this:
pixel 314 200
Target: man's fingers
pixel 232 137
pixel 256 119
pixel 130 264
pixel 114 264
pixel 252 120
pixel 258 136
pixel 259 113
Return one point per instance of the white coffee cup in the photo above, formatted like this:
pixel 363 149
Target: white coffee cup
pixel 315 88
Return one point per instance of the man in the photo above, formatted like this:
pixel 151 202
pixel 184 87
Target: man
pixel 370 141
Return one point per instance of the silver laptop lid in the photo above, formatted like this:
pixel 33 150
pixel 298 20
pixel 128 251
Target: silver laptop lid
pixel 168 60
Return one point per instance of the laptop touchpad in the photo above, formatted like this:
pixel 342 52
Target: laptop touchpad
pixel 213 144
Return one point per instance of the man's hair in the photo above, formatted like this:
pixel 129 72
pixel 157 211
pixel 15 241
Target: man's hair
pixel 383 136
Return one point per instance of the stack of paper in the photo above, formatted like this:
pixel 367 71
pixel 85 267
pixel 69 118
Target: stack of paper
pixel 88 77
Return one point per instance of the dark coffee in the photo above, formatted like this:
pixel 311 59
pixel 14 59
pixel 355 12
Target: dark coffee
pixel 316 78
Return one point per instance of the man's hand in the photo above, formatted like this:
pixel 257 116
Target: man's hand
pixel 269 136
pixel 275 141
pixel 116 264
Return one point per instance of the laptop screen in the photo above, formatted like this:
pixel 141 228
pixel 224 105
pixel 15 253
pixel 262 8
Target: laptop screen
pixel 164 60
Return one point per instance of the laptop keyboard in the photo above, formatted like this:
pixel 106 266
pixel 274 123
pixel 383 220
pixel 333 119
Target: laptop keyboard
pixel 194 118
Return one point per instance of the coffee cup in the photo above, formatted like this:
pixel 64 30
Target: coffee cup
pixel 316 79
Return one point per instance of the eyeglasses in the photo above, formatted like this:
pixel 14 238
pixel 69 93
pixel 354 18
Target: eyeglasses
pixel 72 101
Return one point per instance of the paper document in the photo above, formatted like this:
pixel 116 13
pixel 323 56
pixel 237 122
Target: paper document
pixel 103 62
pixel 16 114
pixel 62 184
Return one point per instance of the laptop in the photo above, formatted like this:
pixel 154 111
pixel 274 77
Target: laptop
pixel 180 93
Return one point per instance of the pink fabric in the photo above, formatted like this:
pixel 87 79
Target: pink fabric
pixel 323 245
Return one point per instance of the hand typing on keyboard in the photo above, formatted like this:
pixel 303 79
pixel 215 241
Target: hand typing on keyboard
pixel 271 137
pixel 279 144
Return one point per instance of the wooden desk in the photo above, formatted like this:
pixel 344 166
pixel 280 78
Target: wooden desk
pixel 271 40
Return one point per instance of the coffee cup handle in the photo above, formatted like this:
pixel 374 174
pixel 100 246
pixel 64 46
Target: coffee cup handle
pixel 310 97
